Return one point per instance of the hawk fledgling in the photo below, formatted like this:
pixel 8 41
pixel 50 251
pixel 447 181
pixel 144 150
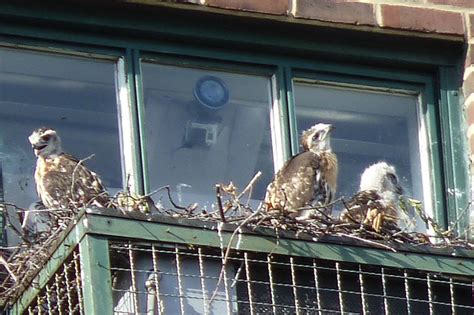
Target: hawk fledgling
pixel 63 181
pixel 376 203
pixel 308 178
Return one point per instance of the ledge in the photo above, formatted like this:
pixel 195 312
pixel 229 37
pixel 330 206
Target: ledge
pixel 110 223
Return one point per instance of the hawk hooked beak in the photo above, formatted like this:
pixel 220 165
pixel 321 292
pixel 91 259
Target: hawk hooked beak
pixel 38 147
pixel 330 129
pixel 398 189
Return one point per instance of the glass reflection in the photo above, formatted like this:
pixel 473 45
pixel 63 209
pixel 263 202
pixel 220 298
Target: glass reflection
pixel 195 137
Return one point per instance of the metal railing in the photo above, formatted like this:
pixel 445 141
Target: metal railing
pixel 163 279
pixel 63 293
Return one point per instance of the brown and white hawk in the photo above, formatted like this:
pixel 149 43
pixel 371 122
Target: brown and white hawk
pixel 308 178
pixel 376 203
pixel 62 181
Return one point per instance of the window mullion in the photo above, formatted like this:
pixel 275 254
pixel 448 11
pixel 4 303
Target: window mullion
pixel 279 120
pixel 290 100
pixel 126 90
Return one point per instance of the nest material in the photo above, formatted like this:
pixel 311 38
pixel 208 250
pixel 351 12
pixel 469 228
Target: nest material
pixel 21 266
pixel 30 256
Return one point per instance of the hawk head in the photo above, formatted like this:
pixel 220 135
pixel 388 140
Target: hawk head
pixel 45 142
pixel 317 138
pixel 382 178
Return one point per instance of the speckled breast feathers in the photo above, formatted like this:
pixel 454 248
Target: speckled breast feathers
pixel 308 178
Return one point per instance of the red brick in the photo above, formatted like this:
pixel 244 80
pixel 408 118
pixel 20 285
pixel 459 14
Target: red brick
pixel 469 112
pixel 422 19
pixel 339 11
pixel 468 87
pixel 456 3
pixel 471 25
pixel 469 56
pixel 187 1
pixel 154 2
pixel 471 145
pixel 279 7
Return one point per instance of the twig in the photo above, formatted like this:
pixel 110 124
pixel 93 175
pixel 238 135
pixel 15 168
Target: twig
pixel 171 199
pixel 76 168
pixel 226 256
pixel 318 209
pixel 7 267
pixel 156 190
pixel 219 202
pixel 461 217
pixel 250 184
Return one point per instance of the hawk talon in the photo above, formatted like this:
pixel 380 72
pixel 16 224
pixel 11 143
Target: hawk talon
pixel 376 203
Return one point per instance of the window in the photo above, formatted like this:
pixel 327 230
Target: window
pixel 372 125
pixel 74 95
pixel 204 127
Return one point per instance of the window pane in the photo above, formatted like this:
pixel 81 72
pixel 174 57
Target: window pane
pixel 195 139
pixel 370 126
pixel 75 96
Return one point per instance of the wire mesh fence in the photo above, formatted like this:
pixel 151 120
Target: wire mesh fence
pixel 63 292
pixel 162 278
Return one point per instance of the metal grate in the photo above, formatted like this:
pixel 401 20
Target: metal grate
pixel 173 279
pixel 63 293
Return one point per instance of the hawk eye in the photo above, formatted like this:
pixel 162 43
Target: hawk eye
pixel 392 177
pixel 46 138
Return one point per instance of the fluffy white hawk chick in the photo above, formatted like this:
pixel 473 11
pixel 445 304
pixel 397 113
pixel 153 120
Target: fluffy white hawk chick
pixel 308 178
pixel 62 181
pixel 376 203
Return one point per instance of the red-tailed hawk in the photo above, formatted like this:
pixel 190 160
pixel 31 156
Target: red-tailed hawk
pixel 376 203
pixel 62 181
pixel 308 178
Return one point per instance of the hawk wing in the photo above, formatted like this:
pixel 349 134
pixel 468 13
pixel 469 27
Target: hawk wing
pixel 297 184
pixel 68 182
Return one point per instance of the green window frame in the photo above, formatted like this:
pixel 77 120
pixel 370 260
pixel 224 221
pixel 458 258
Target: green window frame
pixel 430 64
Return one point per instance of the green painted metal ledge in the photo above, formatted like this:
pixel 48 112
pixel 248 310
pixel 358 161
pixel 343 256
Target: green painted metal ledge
pixel 109 224
pixel 184 231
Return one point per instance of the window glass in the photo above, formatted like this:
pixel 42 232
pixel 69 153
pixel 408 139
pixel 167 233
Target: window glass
pixel 206 127
pixel 371 126
pixel 75 96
